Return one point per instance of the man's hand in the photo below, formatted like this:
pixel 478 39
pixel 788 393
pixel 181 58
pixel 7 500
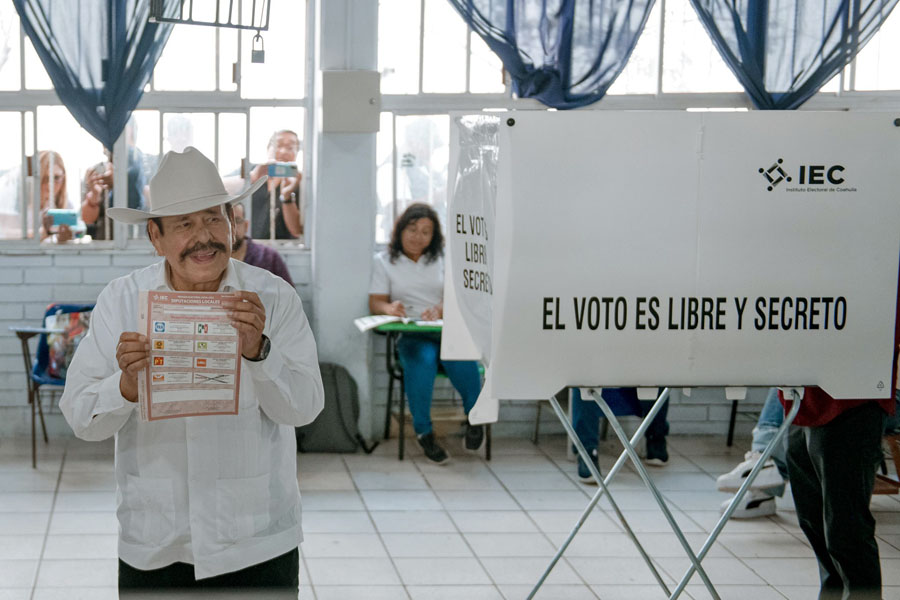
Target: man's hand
pixel 63 234
pixel 248 316
pixel 291 185
pixel 132 354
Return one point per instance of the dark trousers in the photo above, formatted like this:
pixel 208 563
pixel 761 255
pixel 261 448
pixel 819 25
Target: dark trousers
pixel 623 401
pixel 280 572
pixel 832 472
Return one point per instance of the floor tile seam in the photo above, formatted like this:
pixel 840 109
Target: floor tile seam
pixel 557 556
pixel 303 555
pixel 891 544
pixel 669 504
pixel 459 531
pixel 37 570
pixel 375 527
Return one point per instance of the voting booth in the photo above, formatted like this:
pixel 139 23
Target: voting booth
pixel 606 249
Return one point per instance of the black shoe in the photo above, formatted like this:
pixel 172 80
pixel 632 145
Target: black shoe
pixel 584 473
pixel 433 451
pixel 657 455
pixel 473 440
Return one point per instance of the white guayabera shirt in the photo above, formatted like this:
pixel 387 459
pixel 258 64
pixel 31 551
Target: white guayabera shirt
pixel 219 492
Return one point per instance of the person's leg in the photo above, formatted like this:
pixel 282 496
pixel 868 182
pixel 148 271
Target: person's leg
pixel 892 422
pixel 659 426
pixel 177 575
pixel 770 419
pixel 770 481
pixel 585 420
pixel 807 492
pixel 845 454
pixel 465 378
pixel 280 572
pixel 657 453
pixel 419 357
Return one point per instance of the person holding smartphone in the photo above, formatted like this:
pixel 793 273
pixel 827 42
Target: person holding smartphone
pixel 284 145
pixel 53 195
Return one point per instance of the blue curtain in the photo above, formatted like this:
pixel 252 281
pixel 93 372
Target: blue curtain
pixel 99 55
pixel 783 51
pixel 564 53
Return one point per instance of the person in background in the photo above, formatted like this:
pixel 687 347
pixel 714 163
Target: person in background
pixel 834 449
pixel 623 401
pixel 760 501
pixel 53 195
pixel 408 281
pixel 207 501
pixel 179 132
pixel 258 255
pixel 773 477
pixel 99 181
pixel 283 147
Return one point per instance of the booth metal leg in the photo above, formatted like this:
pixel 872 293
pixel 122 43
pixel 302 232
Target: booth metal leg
pixel 603 483
pixel 767 452
pixel 642 471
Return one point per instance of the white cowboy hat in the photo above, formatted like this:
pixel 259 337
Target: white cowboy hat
pixel 185 182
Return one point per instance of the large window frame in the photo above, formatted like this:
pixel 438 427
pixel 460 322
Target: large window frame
pixel 421 103
pixel 27 101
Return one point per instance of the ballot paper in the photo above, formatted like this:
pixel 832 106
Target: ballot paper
pixel 195 355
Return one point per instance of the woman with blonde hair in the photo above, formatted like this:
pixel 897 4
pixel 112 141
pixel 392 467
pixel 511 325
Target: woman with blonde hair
pixel 53 193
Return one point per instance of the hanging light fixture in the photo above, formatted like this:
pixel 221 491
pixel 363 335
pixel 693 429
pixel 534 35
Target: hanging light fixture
pixel 161 11
pixel 166 11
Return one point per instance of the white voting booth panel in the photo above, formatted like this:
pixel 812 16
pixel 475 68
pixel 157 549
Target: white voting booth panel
pixel 690 249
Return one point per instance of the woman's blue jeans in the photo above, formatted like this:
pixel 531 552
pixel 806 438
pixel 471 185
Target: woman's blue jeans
pixel 419 356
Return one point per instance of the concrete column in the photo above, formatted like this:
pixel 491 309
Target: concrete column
pixel 345 203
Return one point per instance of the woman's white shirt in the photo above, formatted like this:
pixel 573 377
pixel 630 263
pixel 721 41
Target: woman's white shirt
pixel 419 285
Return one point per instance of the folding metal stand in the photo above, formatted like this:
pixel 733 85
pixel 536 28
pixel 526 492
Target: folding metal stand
pixel 630 452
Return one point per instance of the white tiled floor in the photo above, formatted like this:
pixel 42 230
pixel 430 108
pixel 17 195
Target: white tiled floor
pixel 378 528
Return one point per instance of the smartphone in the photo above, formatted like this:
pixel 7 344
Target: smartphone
pixel 282 169
pixel 64 216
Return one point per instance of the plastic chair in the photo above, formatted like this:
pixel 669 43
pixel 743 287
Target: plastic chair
pixel 38 374
pixel 395 374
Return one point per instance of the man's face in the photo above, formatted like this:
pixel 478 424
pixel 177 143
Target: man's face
pixel 285 147
pixel 197 247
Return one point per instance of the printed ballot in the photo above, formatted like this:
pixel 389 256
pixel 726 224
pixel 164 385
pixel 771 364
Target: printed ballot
pixel 195 355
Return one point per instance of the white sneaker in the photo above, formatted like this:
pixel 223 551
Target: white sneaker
pixel 768 477
pixel 755 504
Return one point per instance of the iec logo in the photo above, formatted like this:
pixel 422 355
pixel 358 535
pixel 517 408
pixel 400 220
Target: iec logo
pixel 775 174
pixel 159 326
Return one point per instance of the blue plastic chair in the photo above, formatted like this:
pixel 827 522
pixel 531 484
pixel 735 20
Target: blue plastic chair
pixel 39 374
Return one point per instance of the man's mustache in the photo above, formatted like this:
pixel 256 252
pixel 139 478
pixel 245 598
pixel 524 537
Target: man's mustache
pixel 203 248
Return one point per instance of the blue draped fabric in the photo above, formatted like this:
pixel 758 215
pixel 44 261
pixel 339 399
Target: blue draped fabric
pixel 783 51
pixel 99 55
pixel 564 53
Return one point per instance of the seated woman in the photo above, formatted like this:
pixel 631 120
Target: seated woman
pixel 53 175
pixel 408 281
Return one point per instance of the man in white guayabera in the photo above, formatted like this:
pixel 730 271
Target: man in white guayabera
pixel 204 501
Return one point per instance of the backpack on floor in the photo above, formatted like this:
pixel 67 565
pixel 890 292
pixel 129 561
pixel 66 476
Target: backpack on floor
pixel 336 428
